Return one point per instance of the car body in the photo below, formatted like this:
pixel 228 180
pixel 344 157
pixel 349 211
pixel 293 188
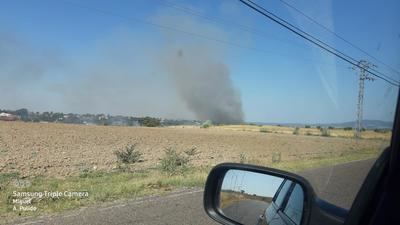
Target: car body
pixel 282 210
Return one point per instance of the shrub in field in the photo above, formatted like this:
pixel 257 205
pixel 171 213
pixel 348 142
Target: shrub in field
pixel 331 128
pixel 381 130
pixel 325 132
pixel 242 158
pixel 307 126
pixel 173 162
pixel 348 128
pixel 129 155
pixel 191 152
pixel 264 130
pixel 207 124
pixel 308 133
pixel 319 127
pixel 296 131
pixel 276 157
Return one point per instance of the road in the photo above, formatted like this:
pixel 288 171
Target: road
pixel 337 184
pixel 246 211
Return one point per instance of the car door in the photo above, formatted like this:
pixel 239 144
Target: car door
pixel 293 209
pixel 273 213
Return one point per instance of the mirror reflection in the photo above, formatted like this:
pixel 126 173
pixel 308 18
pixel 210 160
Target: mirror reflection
pixel 253 198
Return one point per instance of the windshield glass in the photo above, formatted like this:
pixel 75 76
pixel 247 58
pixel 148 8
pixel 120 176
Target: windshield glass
pixel 122 103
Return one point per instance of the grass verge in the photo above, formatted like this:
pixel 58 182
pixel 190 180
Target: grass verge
pixel 100 186
pixel 105 187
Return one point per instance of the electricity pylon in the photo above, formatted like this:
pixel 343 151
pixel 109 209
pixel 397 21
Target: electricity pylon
pixel 364 74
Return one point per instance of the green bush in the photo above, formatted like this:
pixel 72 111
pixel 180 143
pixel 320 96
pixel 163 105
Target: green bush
pixel 174 163
pixel 296 131
pixel 129 155
pixel 348 128
pixel 264 130
pixel 149 122
pixel 307 126
pixel 207 124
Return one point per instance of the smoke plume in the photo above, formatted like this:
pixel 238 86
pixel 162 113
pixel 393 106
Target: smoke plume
pixel 126 72
pixel 204 84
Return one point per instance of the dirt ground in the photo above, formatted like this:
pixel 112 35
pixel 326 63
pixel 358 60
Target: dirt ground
pixel 61 150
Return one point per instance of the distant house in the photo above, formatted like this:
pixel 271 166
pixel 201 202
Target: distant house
pixel 8 117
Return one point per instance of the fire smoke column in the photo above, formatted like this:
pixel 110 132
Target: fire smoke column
pixel 204 84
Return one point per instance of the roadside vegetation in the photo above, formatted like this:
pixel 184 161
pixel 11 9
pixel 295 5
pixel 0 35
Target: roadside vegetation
pixel 120 184
pixel 128 155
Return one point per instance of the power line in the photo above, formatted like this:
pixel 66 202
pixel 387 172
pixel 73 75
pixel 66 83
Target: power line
pixel 317 41
pixel 206 37
pixel 311 38
pixel 219 20
pixel 245 28
pixel 338 36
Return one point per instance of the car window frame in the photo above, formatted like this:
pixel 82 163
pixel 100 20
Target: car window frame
pixel 278 191
pixel 285 197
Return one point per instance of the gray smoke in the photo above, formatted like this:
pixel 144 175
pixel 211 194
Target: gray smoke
pixel 121 73
pixel 204 84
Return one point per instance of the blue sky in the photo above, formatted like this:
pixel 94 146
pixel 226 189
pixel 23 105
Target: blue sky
pixel 107 57
pixel 252 183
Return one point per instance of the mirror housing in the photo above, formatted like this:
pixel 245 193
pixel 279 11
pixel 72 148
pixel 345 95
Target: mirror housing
pixel 315 210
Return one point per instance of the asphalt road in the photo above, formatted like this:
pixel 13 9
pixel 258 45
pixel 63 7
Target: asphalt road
pixel 246 211
pixel 337 184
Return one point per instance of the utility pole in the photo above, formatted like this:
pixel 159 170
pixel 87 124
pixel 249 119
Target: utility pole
pixel 363 67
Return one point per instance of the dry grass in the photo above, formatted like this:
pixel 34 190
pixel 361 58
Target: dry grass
pixel 337 132
pixel 79 157
pixel 61 150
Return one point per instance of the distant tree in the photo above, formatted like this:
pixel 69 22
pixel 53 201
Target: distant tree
pixel 23 114
pixel 57 117
pixel 307 126
pixel 149 122
pixel 348 128
pixel 381 130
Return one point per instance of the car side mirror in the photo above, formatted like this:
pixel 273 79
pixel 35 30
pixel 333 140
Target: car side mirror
pixel 249 195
